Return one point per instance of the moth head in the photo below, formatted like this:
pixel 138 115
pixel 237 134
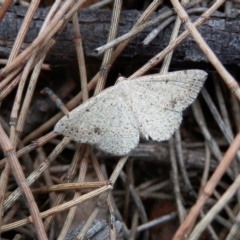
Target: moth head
pixel 120 79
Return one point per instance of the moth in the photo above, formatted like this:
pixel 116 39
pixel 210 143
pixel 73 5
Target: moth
pixel 149 106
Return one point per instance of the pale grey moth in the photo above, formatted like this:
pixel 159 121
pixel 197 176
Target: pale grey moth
pixel 149 106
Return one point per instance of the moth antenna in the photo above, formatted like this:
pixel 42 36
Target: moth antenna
pixel 49 92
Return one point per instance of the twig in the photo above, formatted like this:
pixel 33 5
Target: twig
pixel 80 56
pixel 99 4
pixel 129 181
pixel 36 174
pixel 134 225
pixel 102 198
pixel 162 15
pixel 188 188
pixel 20 179
pixel 4 8
pixel 236 111
pixel 52 29
pixel 69 187
pixel 102 174
pixel 35 144
pixel 228 79
pixel 157 30
pixel 175 180
pixel 217 117
pixel 216 208
pixel 16 80
pixel 209 188
pixel 33 79
pixel 234 232
pixel 23 30
pixel 46 174
pixel 78 155
pixel 198 114
pixel 137 200
pixel 81 177
pixel 108 54
pixel 222 105
pixel 206 167
pixel 157 221
pixel 58 208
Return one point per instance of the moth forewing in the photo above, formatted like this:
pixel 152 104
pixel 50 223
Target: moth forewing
pixel 150 105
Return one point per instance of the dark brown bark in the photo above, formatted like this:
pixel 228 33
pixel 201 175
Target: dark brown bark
pixel 222 35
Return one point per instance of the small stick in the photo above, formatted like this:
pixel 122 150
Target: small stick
pixel 11 213
pixel 4 8
pixel 133 231
pixel 35 144
pixel 128 182
pixel 99 4
pixel 198 114
pixel 15 82
pixel 102 198
pixel 217 117
pixel 22 183
pixel 234 232
pixel 46 175
pixel 226 76
pixel 72 170
pixel 209 188
pixel 188 188
pixel 36 174
pixel 108 54
pixel 175 180
pixel 102 174
pixel 52 29
pixel 156 222
pixel 228 210
pixel 236 111
pixel 216 208
pixel 157 30
pixel 203 183
pixel 206 167
pixel 80 56
pixel 69 187
pixel 58 208
pixel 55 99
pixel 81 177
pixel 164 14
pixel 138 202
pixel 45 66
pixel 23 30
pixel 5 82
pixel 165 23
pixel 222 105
